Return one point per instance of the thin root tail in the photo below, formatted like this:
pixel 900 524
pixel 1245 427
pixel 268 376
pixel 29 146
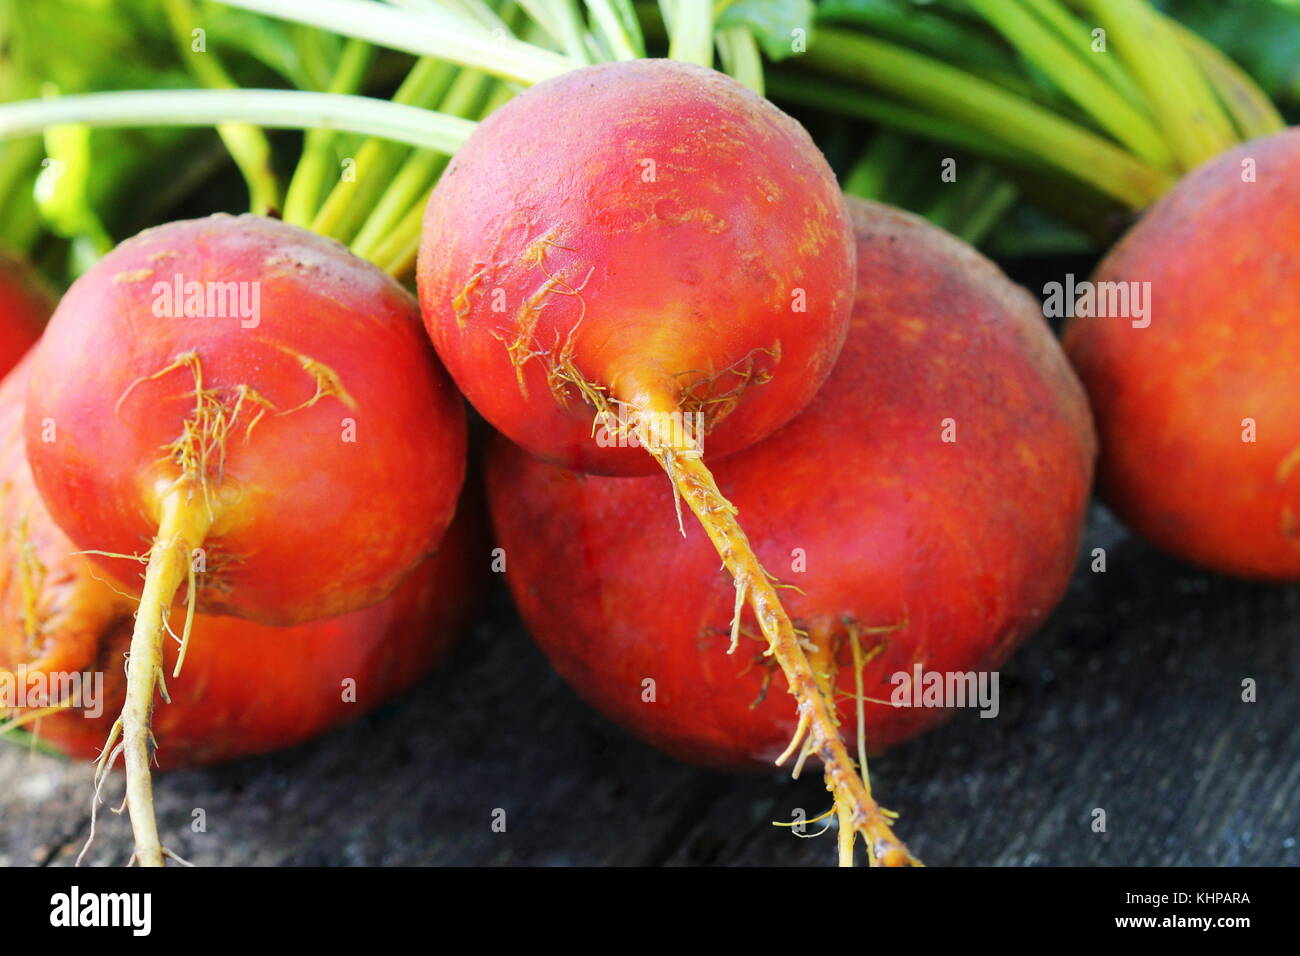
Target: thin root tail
pixel 183 526
pixel 818 728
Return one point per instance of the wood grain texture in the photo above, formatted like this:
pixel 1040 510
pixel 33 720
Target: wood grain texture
pixel 1129 700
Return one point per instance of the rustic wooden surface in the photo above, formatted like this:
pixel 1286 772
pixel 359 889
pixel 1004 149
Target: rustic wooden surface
pixel 1129 700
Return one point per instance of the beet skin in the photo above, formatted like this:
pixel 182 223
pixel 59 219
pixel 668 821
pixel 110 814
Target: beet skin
pixel 246 688
pixel 652 230
pixel 1199 410
pixel 942 554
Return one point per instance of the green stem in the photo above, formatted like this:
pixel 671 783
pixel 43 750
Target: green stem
pixel 1026 127
pixel 247 144
pixel 1064 65
pixel 542 15
pixel 346 205
pixel 740 57
pixel 950 206
pixel 821 94
pixel 63 199
pixel 930 30
pixel 19 221
pixel 871 175
pixel 467 96
pixel 278 109
pixel 308 183
pixel 570 30
pixel 421 168
pixel 439 38
pixel 476 11
pixel 614 28
pixel 995 202
pixel 397 253
pixel 1194 125
pixel 1079 36
pixel 1250 108
pixel 315 50
pixel 690 33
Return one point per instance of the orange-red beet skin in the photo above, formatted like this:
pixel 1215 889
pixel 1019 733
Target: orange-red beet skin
pixel 326 501
pixel 1219 363
pixel 24 306
pixel 957 550
pixel 250 688
pixel 246 688
pixel 648 225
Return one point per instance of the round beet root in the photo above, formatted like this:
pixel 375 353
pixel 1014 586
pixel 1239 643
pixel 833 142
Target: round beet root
pixel 316 436
pixel 257 413
pixel 907 549
pixel 247 687
pixel 1198 403
pixel 25 304
pixel 650 235
pixel 634 256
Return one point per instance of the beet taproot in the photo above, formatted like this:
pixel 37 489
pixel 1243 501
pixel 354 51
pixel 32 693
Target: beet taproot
pixel 256 414
pixel 906 549
pixel 632 257
pixel 649 235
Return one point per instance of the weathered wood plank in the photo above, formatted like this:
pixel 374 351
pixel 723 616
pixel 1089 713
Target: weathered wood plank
pixel 1129 701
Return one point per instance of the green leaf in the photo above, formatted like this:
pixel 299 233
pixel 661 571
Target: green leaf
pixel 776 24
